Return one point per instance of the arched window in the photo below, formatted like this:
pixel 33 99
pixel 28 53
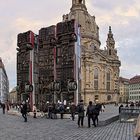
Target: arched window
pixel 108 80
pixel 96 78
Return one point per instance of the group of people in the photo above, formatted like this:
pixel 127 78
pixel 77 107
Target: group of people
pixel 53 109
pixel 92 113
pixel 129 105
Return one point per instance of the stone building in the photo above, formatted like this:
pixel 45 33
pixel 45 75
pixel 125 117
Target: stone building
pixel 100 68
pixel 13 96
pixel 4 83
pixel 124 89
pixel 134 89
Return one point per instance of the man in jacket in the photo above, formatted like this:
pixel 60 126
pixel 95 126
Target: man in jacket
pixel 80 110
pixel 91 113
pixel 24 111
pixel 73 110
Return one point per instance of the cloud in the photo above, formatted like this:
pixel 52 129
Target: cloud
pixel 129 70
pixel 23 15
pixel 123 16
pixel 25 24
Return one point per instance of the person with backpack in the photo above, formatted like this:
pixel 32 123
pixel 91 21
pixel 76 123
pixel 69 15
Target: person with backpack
pixel 72 110
pixel 24 111
pixel 98 107
pixel 61 110
pixel 91 113
pixel 81 111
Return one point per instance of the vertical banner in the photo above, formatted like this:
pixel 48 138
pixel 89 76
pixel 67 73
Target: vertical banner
pixel 77 63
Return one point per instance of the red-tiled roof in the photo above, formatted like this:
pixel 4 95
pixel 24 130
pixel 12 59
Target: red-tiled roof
pixel 135 80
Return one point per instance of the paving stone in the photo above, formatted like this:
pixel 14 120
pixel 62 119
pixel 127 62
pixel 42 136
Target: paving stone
pixel 12 127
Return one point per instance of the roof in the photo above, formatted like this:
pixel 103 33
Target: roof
pixel 121 79
pixel 135 80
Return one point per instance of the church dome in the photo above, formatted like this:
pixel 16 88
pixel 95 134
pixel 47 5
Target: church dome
pixel 89 28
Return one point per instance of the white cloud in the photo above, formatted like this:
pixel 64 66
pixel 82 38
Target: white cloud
pixel 26 24
pixel 129 70
pixel 122 15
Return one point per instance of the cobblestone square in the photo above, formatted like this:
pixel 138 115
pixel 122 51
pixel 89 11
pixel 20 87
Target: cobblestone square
pixel 13 128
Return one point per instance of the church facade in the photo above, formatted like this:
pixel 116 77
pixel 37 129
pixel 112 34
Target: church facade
pixel 65 62
pixel 99 68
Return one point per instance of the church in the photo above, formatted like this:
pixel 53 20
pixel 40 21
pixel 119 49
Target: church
pixel 99 68
pixel 65 62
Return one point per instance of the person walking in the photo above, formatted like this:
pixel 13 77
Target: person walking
pixel 7 105
pixel 3 108
pixel 80 110
pixel 24 111
pixel 54 111
pixel 73 110
pixel 91 113
pixel 61 110
pixel 98 107
pixel 121 106
pixel 34 111
pixel 50 107
pixel 103 108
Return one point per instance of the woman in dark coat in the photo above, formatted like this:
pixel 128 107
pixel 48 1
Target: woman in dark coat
pixel 24 111
pixel 3 108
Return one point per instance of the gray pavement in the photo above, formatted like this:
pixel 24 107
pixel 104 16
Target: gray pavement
pixel 110 111
pixel 12 127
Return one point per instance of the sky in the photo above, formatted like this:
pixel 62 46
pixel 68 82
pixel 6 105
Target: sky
pixel 17 16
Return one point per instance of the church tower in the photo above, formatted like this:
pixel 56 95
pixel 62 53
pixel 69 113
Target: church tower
pixel 110 44
pixel 89 28
pixel 78 4
pixel 99 68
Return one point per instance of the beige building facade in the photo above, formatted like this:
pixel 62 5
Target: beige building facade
pixel 13 96
pixel 124 90
pixel 99 68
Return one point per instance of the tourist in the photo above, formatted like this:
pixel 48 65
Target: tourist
pixel 120 108
pixel 61 110
pixel 80 110
pixel 34 111
pixel 24 111
pixel 3 108
pixel 103 107
pixel 72 110
pixel 97 112
pixel 91 113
